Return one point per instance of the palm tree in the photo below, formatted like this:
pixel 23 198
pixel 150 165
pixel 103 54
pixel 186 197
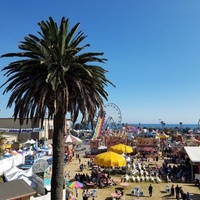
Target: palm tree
pixel 180 125
pixel 55 75
pixel 162 124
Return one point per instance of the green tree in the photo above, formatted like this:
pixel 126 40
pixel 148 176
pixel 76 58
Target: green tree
pixel 55 74
pixel 1 134
pixel 3 140
pixel 77 126
pixel 85 124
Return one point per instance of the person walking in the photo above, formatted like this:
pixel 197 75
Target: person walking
pixel 172 190
pixel 150 190
pixel 85 164
pixel 84 195
pixel 177 188
pixel 68 175
pixel 87 194
pixel 77 192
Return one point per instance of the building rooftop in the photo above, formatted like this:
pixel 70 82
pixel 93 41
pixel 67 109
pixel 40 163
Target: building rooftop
pixel 15 189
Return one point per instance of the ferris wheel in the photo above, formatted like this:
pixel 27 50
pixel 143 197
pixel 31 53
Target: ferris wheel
pixel 113 116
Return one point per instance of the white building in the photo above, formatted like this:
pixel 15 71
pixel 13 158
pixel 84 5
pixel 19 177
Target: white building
pixel 13 131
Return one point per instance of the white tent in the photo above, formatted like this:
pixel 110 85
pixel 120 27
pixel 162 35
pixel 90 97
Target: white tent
pixel 30 142
pixel 28 172
pixel 102 147
pixel 11 171
pixel 28 180
pixel 13 176
pixel 193 153
pixel 72 139
pixel 20 175
pixel 15 173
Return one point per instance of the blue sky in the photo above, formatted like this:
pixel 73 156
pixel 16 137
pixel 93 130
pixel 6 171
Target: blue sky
pixel 152 47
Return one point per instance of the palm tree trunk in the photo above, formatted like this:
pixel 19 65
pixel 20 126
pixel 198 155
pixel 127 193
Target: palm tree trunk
pixel 58 157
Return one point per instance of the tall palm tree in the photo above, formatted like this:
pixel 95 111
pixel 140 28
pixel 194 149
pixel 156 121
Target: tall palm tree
pixel 162 124
pixel 181 124
pixel 56 75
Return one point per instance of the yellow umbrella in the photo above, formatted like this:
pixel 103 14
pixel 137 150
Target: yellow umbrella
pixel 121 148
pixel 110 159
pixel 163 136
pixel 8 146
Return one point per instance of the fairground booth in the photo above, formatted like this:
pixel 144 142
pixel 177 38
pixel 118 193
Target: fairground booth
pixel 101 145
pixel 194 155
pixel 115 139
pixel 148 148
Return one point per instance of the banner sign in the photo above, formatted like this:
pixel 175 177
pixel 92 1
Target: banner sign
pixel 145 142
pixel 27 130
pixel 116 139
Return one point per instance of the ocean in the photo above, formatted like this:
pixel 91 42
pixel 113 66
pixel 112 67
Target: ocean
pixel 158 126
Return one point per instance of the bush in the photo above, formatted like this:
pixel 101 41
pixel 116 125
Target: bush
pixel 1 179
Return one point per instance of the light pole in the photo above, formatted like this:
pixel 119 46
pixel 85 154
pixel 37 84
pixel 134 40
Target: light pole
pixel 46 129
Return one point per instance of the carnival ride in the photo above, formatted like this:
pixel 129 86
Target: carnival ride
pixel 111 120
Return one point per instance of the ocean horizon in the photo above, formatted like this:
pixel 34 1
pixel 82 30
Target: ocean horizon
pixel 159 126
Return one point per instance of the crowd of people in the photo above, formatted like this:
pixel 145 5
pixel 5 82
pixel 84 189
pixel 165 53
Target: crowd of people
pixel 180 172
pixel 178 192
pixel 177 170
pixel 86 194
pixel 96 179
